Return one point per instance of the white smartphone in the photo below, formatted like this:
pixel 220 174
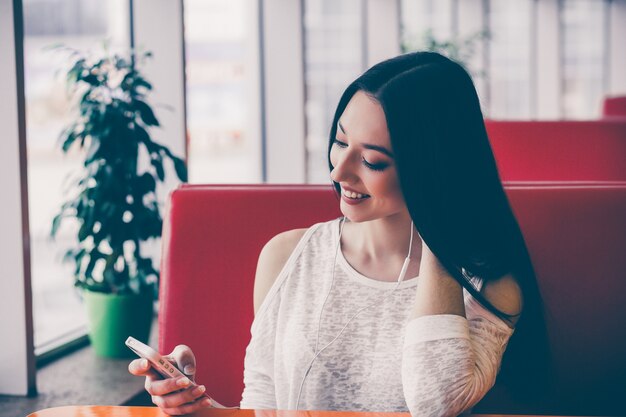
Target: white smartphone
pixel 162 365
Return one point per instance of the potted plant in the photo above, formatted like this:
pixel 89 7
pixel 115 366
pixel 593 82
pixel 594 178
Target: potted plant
pixel 114 198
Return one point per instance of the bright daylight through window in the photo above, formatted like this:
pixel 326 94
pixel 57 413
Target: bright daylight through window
pixel 81 24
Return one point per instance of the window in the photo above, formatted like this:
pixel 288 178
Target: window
pixel 421 16
pixel 583 60
pixel 222 147
pixel 516 56
pixel 81 24
pixel 509 54
pixel 334 47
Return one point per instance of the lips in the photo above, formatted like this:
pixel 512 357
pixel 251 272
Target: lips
pixel 355 196
pixel 350 193
pixel 352 196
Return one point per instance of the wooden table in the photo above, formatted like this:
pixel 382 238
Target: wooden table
pixel 114 411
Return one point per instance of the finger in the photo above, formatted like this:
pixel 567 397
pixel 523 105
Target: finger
pixel 185 359
pixel 179 398
pixel 166 386
pixel 141 367
pixel 189 408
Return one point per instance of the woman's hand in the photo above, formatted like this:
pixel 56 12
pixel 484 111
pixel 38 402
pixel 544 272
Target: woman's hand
pixel 173 395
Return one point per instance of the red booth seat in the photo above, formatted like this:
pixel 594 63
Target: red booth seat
pixel 614 107
pixel 576 234
pixel 559 150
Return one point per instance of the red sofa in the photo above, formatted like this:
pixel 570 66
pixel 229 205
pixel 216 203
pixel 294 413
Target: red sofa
pixel 576 234
pixel 614 107
pixel 559 150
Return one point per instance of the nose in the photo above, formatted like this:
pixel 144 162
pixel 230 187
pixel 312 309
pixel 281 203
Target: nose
pixel 343 168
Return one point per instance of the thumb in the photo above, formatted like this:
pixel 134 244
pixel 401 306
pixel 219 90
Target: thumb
pixel 185 360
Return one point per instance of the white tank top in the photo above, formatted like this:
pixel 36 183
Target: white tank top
pixel 384 361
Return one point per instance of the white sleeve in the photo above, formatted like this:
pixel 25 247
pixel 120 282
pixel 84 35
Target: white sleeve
pixel 449 362
pixel 258 377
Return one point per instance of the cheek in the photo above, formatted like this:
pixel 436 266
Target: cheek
pixel 389 186
pixel 397 192
pixel 399 198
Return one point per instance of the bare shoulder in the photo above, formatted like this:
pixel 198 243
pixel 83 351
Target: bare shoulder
pixel 272 259
pixel 506 295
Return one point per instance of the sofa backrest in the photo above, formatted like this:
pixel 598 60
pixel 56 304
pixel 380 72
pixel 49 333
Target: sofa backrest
pixel 212 237
pixel 614 107
pixel 576 235
pixel 559 150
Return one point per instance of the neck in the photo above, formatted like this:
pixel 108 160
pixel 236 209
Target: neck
pixel 382 239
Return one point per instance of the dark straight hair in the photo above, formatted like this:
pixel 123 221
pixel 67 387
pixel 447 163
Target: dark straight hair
pixel 451 186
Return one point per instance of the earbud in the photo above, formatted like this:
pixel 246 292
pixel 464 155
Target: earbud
pixel 405 266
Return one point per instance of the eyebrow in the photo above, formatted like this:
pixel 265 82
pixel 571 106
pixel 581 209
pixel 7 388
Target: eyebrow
pixel 380 149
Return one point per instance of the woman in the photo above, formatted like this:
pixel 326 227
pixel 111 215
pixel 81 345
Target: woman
pixel 337 326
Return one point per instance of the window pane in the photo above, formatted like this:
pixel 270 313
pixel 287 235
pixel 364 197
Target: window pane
pixel 83 25
pixel 333 58
pixel 583 58
pixel 420 16
pixel 442 26
pixel 509 53
pixel 223 147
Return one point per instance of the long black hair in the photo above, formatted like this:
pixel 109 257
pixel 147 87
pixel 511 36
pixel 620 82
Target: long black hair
pixel 451 186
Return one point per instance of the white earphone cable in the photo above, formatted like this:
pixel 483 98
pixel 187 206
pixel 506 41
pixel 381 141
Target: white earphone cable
pixel 376 301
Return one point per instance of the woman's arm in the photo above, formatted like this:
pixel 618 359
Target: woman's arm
pixel 450 362
pixel 437 291
pixel 272 259
pixel 259 391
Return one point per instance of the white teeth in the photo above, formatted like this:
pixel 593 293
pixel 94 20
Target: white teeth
pixel 352 194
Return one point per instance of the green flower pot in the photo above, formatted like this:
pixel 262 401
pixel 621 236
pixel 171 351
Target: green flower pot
pixel 112 318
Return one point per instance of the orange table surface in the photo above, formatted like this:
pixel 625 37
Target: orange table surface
pixel 115 411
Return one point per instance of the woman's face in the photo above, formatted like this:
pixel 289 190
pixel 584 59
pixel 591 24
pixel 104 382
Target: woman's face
pixel 363 162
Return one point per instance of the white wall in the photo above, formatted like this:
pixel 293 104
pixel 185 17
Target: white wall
pixel 548 69
pixel 382 30
pixel 158 28
pixel 283 87
pixel 16 326
pixel 617 49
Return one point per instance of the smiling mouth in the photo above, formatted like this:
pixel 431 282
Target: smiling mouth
pixel 354 196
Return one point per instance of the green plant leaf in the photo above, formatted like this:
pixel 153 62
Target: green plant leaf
pixel 91 79
pixel 109 268
pixel 56 222
pixel 146 183
pixel 74 73
pixel 87 226
pixel 69 139
pixel 94 255
pixel 146 113
pixel 144 137
pixel 121 63
pixel 181 169
pixel 179 165
pixel 141 82
pixel 157 163
pixel 94 146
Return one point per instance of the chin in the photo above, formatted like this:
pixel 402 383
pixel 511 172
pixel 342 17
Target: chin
pixel 361 215
pixel 355 217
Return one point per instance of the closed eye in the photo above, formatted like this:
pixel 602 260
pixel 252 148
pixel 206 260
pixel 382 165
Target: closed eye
pixel 374 167
pixel 340 143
